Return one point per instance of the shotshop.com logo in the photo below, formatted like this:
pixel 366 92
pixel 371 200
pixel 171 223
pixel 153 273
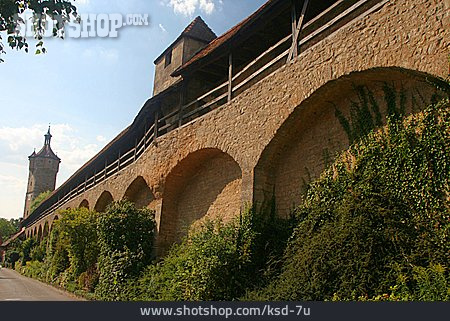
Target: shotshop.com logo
pixel 84 26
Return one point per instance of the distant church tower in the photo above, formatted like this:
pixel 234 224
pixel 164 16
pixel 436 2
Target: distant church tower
pixel 44 166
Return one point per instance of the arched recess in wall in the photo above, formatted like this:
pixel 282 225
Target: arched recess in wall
pixel 325 123
pixel 55 218
pixel 35 232
pixel 140 194
pixel 205 183
pixel 46 230
pixel 39 233
pixel 103 201
pixel 84 204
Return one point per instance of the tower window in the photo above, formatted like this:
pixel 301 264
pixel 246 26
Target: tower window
pixel 168 58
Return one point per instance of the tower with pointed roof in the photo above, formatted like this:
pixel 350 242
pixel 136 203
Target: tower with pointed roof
pixel 43 168
pixel 194 38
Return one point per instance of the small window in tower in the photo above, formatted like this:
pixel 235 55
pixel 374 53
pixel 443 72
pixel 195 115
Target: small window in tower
pixel 168 58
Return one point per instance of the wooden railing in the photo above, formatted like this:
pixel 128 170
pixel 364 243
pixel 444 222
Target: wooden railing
pixel 259 68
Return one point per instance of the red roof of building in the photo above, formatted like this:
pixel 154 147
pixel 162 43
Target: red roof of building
pixel 219 42
pixel 46 152
pixel 197 29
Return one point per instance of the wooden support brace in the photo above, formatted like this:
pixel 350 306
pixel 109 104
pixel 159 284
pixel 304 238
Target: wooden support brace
pixel 145 136
pixel 294 29
pixel 293 52
pixel 230 76
pixel 156 129
pixel 181 102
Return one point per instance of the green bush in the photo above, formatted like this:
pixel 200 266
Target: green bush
pixel 57 252
pixel 77 233
pixel 70 250
pixel 26 249
pixel 35 269
pixel 12 256
pixel 217 261
pixel 126 237
pixel 38 200
pixel 379 214
pixel 205 266
pixel 38 250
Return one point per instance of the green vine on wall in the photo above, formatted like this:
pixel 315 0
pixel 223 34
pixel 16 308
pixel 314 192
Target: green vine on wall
pixel 365 113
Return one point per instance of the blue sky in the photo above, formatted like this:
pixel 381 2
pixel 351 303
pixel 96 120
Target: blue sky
pixel 89 89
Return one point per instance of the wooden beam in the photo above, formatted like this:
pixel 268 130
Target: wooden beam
pixel 145 134
pixel 299 26
pixel 181 102
pixel 156 129
pixel 230 76
pixel 294 28
pixel 341 16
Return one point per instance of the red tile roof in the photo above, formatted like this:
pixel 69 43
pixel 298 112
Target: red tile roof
pixel 197 29
pixel 219 42
pixel 46 152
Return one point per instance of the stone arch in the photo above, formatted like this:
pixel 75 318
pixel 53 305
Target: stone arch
pixel 53 220
pixel 84 204
pixel 45 230
pixel 39 233
pixel 205 183
pixel 326 122
pixel 140 194
pixel 103 201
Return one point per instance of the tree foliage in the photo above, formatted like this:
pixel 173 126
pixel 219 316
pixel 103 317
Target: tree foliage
pixel 8 228
pixel 77 232
pixel 38 200
pixel 44 9
pixel 126 237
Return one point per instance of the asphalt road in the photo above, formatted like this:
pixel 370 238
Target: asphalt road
pixel 15 287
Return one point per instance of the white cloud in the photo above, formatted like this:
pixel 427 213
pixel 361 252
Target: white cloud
pixel 207 6
pixel 16 144
pixel 110 56
pixel 162 28
pixel 100 139
pixel 13 182
pixel 189 7
pixel 81 2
